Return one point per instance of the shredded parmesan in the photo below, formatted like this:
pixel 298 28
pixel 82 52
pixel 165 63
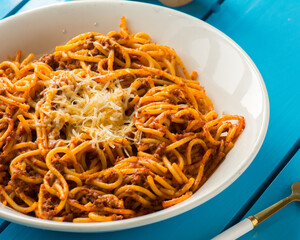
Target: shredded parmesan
pixel 86 108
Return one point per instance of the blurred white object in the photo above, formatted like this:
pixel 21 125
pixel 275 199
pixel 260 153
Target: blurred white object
pixel 175 3
pixel 236 231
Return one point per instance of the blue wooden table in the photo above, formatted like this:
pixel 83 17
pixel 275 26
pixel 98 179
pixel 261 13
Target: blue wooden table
pixel 269 31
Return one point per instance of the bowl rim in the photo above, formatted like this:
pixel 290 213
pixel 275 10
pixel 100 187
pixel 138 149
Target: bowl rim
pixel 169 212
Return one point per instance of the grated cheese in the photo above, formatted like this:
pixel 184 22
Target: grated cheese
pixel 82 106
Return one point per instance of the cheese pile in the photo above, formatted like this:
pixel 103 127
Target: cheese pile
pixel 81 107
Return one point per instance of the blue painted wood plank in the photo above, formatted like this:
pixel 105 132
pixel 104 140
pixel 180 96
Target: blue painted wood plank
pixel 6 6
pixel 284 224
pixel 196 8
pixel 32 4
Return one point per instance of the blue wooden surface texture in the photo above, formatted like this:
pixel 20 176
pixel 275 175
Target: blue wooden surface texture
pixel 32 4
pixel 284 224
pixel 269 32
pixel 196 8
pixel 7 5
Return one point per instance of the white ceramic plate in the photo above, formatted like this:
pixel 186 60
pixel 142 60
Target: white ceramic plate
pixel 229 76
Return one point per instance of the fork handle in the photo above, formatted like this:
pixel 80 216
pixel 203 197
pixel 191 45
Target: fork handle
pixel 236 231
pixel 251 222
pixel 268 212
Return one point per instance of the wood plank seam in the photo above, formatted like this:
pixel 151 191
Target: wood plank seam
pixel 3 226
pixel 214 9
pixel 16 8
pixel 241 213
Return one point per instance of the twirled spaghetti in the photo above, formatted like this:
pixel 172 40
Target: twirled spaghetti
pixel 107 127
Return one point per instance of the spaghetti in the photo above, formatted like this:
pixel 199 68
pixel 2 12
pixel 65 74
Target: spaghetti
pixel 107 127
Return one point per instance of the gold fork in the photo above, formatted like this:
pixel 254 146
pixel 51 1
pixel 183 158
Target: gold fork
pixel 251 222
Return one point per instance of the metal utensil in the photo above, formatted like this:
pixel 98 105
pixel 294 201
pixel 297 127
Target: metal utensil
pixel 251 222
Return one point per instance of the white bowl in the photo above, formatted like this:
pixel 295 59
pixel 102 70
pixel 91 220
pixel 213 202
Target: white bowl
pixel 229 76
